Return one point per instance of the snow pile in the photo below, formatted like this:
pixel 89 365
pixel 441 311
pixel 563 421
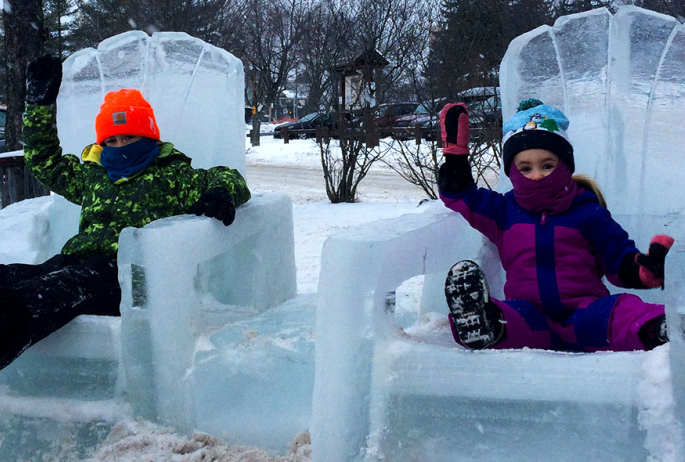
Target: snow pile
pixel 140 441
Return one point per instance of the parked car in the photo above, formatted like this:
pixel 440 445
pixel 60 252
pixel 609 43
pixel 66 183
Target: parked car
pixel 484 117
pixel 3 118
pixel 485 114
pixel 305 127
pixel 425 116
pixel 389 113
pixel 385 115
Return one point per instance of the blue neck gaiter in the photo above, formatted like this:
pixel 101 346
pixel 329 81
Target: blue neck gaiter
pixel 127 161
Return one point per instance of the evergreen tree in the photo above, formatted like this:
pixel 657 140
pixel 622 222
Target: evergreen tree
pixel 58 23
pixel 473 37
pixel 565 7
pixel 675 8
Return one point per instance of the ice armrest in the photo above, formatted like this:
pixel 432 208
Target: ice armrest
pixel 359 266
pixel 38 228
pixel 183 275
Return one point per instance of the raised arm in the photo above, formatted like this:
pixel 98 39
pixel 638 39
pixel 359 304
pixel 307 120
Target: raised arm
pixel 42 152
pixel 482 208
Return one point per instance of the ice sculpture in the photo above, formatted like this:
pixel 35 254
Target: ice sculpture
pixel 621 81
pixel 183 278
pixel 196 90
pixel 45 223
pixel 421 397
pixel 254 378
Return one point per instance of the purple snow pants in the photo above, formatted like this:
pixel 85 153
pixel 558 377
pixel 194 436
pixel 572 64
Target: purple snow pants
pixel 609 323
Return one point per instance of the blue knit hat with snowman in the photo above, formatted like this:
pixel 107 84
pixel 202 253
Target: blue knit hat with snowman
pixel 536 126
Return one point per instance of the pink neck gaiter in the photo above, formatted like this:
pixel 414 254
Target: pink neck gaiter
pixel 553 194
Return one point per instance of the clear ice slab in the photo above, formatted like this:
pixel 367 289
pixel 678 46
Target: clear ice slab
pixel 620 79
pixel 195 89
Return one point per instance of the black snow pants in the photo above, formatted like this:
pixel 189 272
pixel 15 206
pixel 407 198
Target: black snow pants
pixel 37 300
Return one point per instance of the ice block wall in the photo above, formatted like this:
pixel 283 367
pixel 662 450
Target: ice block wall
pixel 195 89
pixel 620 80
pixel 38 228
pixel 182 277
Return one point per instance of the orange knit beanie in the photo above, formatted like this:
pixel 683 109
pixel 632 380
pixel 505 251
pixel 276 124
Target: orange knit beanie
pixel 125 112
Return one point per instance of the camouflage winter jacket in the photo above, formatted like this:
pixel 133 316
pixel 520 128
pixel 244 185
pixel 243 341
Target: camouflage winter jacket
pixel 167 187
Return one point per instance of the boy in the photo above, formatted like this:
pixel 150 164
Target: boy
pixel 128 178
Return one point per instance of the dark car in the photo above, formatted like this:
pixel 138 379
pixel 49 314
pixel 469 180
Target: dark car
pixel 385 115
pixel 485 118
pixel 305 127
pixel 485 115
pixel 3 118
pixel 425 116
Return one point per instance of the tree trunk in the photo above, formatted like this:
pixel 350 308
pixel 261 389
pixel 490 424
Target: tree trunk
pixel 23 24
pixel 254 139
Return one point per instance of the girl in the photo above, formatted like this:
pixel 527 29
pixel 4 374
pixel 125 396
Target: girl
pixel 556 241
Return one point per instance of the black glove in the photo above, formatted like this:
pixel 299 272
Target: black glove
pixel 43 78
pixel 652 264
pixel 215 203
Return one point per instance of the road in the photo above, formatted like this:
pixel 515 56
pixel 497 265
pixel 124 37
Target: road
pixel 306 184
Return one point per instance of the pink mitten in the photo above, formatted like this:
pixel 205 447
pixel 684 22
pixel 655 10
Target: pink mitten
pixel 652 264
pixel 454 126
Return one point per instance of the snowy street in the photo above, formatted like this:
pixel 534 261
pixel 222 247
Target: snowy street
pixel 295 170
pixel 305 184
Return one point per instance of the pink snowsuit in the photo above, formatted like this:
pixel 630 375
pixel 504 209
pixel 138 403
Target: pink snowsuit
pixel 554 265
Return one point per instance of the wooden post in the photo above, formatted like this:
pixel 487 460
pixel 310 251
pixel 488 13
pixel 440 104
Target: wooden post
pixel 286 136
pixel 417 134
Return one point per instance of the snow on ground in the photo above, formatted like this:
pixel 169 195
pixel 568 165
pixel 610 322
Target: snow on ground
pixel 271 151
pixel 315 221
pixel 146 442
pixel 139 441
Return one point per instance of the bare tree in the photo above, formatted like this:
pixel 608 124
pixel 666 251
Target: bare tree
pixel 394 29
pixel 271 32
pixel 416 163
pixel 323 45
pixel 346 165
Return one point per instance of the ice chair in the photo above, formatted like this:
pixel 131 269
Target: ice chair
pixel 182 277
pixel 381 394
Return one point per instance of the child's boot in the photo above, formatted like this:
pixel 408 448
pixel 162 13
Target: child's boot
pixel 654 333
pixel 476 318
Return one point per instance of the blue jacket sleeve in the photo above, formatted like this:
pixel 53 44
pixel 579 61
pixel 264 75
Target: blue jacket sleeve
pixel 611 242
pixel 482 208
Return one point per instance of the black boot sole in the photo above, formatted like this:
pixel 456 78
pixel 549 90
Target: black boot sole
pixel 467 295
